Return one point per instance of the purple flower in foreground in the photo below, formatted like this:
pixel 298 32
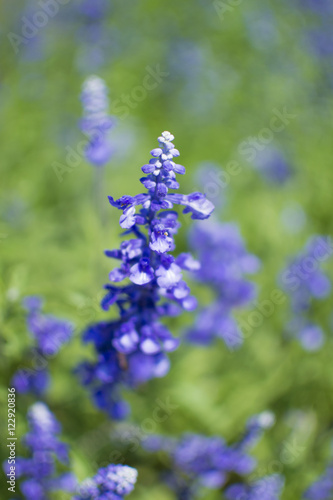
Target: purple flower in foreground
pixel 50 334
pixel 322 489
pixel 132 348
pixel 45 449
pixel 200 461
pixel 224 265
pixel 110 483
pixel 305 281
pixel 96 123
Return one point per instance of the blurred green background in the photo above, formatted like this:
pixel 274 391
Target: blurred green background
pixel 223 75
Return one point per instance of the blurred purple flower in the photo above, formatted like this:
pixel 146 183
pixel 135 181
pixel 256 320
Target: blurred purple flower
pixel 96 123
pixel 50 334
pixel 45 449
pixel 304 281
pixel 224 265
pixel 322 489
pixel 198 461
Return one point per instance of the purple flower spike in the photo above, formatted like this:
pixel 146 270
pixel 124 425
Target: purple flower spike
pixel 50 334
pixel 199 462
pixel 305 282
pixel 45 449
pixel 96 123
pixel 132 348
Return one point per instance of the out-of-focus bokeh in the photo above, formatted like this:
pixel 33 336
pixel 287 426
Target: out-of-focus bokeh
pixel 246 88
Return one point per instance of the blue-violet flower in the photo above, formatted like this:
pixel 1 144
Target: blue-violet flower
pixel 131 349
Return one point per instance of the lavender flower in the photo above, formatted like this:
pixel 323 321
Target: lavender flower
pixel 267 488
pixel 305 282
pixel 110 483
pixel 96 123
pixel 322 489
pixel 199 461
pixel 224 264
pixel 39 469
pixel 50 334
pixel 131 349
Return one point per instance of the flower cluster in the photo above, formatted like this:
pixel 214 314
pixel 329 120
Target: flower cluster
pixel 49 333
pixel 200 461
pixel 305 281
pixel 110 483
pixel 96 123
pixel 267 488
pixel 131 349
pixel 224 264
pixel 39 469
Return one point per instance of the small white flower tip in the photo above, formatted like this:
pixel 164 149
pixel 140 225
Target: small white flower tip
pixel 266 419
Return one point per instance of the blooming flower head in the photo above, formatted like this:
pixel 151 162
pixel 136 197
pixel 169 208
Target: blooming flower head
pixel 96 123
pixel 110 483
pixel 224 265
pixel 50 334
pixel 305 281
pixel 131 349
pixel 45 449
pixel 208 461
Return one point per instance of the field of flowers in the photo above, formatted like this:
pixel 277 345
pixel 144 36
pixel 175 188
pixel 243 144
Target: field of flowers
pixel 166 250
